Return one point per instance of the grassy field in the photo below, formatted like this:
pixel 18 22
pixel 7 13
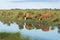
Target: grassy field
pixel 18 16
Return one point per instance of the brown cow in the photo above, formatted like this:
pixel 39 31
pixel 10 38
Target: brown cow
pixel 44 15
pixel 27 15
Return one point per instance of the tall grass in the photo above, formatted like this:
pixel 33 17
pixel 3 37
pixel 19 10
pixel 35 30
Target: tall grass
pixel 11 36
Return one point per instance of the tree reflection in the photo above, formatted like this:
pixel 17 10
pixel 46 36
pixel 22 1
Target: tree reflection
pixel 52 28
pixel 20 24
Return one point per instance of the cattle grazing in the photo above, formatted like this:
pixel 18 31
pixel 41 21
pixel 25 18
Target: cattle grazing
pixel 27 15
pixel 44 15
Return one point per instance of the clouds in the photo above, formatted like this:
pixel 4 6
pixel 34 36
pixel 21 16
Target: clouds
pixel 9 4
pixel 29 5
pixel 17 1
pixel 34 1
pixel 14 0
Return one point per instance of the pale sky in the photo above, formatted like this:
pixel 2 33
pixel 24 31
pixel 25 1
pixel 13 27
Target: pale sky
pixel 29 4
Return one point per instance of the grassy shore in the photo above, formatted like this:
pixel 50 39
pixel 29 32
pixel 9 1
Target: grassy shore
pixel 12 36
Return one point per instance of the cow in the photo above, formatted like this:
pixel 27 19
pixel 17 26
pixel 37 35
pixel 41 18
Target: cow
pixel 27 15
pixel 44 15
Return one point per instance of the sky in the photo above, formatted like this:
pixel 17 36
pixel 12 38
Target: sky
pixel 29 4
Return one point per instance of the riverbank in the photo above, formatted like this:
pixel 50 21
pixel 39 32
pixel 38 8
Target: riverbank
pixel 11 36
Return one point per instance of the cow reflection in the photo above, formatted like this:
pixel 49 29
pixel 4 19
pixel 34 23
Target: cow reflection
pixel 29 26
pixel 44 28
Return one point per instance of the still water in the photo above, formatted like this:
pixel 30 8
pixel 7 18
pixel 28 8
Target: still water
pixel 33 34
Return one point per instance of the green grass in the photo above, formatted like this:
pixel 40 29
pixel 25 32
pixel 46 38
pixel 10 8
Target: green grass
pixel 12 36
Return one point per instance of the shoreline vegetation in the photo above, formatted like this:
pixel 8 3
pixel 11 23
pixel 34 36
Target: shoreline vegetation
pixel 12 36
pixel 35 15
pixel 34 18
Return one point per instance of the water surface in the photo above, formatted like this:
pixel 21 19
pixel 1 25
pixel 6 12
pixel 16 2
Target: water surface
pixel 33 34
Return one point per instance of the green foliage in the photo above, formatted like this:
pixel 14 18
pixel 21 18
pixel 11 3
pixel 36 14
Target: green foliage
pixel 11 36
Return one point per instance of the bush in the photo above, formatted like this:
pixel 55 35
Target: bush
pixel 11 36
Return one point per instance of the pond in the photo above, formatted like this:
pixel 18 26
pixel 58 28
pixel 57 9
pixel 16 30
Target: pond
pixel 34 33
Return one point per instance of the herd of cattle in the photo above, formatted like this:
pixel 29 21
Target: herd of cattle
pixel 41 16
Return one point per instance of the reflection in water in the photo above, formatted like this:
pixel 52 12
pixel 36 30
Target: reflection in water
pixel 32 25
pixel 29 26
pixel 38 34
pixel 58 29
pixel 44 28
pixel 12 28
pixel 20 25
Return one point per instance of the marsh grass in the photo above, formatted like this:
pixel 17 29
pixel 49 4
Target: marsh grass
pixel 10 16
pixel 12 36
